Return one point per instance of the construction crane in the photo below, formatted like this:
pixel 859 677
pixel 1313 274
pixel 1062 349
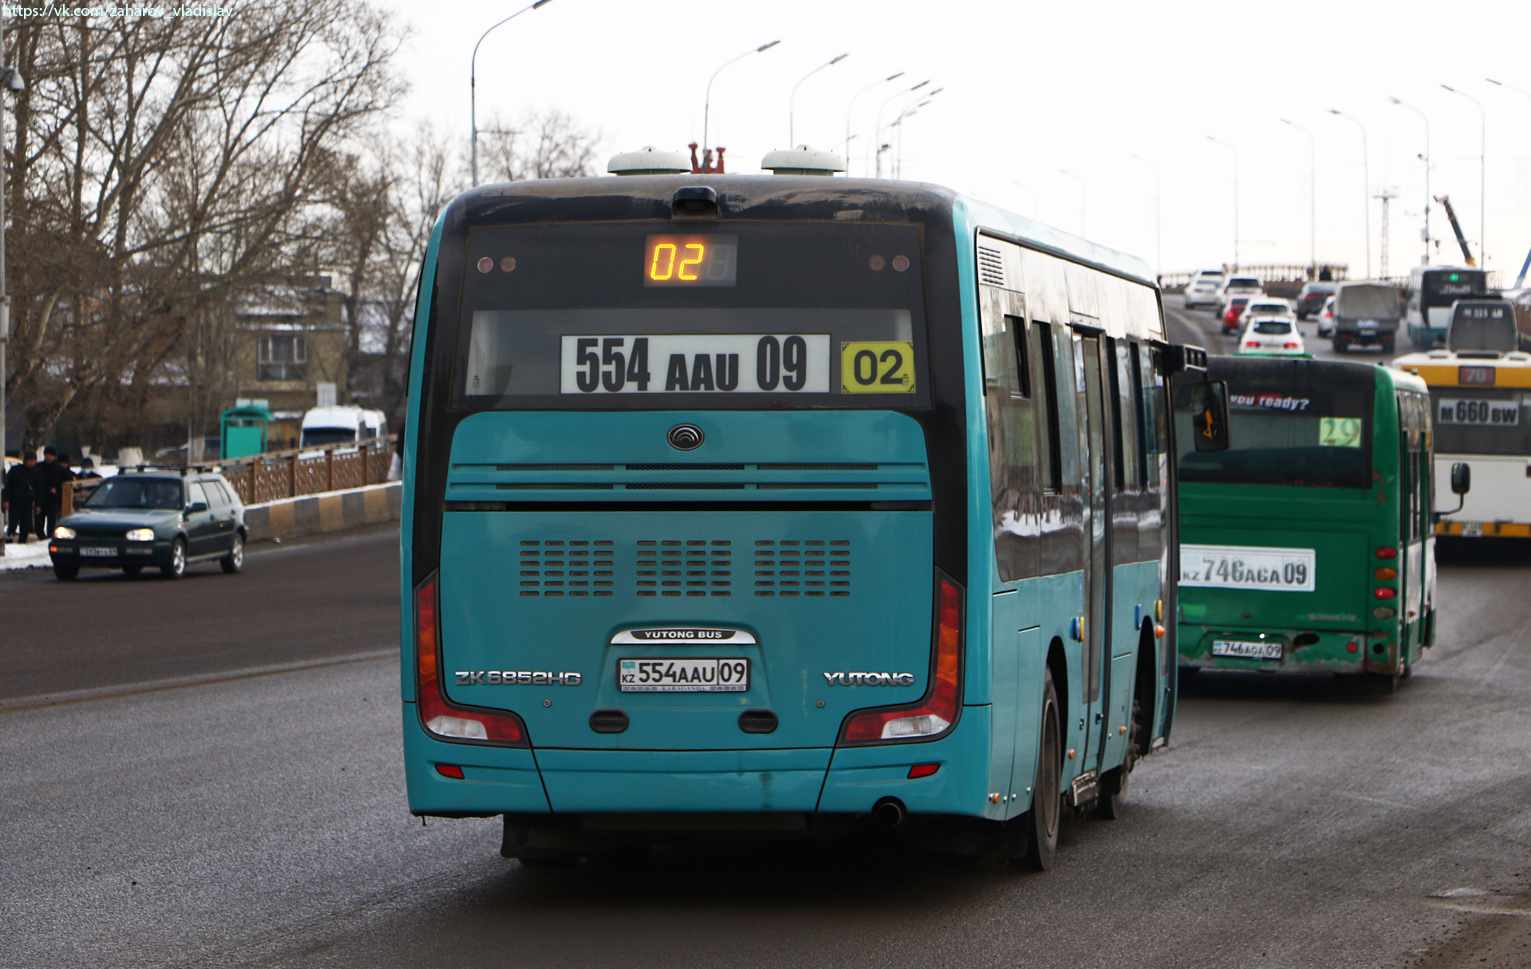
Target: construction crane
pixel 1445 203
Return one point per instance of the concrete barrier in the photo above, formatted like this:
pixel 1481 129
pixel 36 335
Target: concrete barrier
pixel 334 511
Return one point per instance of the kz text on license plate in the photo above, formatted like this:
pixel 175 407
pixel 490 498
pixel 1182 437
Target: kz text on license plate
pixel 1268 649
pixel 683 675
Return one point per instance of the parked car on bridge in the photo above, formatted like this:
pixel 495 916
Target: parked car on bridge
pixel 1203 288
pixel 1311 300
pixel 167 519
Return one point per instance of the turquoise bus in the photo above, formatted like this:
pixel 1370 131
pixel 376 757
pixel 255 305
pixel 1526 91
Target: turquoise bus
pixel 781 503
pixel 1309 545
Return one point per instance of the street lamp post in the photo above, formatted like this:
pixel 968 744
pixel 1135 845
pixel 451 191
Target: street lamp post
pixel 1235 152
pixel 473 86
pixel 1426 156
pixel 850 109
pixel 898 159
pixel 1158 211
pixel 877 131
pixel 707 102
pixel 1312 198
pixel 10 80
pixel 1366 199
pixel 1064 171
pixel 1482 173
pixel 792 101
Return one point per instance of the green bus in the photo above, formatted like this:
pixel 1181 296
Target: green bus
pixel 1307 545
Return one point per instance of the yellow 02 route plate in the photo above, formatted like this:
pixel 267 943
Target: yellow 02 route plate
pixel 877 367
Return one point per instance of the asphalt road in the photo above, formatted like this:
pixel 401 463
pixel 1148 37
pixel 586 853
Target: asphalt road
pixel 258 818
pixel 294 604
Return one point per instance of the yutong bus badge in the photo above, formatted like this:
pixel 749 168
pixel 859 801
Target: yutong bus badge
pixel 683 674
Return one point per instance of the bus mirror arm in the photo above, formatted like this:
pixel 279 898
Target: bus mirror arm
pixel 1461 484
pixel 1461 478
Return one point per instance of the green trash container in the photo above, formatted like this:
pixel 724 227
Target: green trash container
pixel 242 430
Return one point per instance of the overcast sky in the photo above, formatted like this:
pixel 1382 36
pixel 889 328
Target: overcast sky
pixel 1032 88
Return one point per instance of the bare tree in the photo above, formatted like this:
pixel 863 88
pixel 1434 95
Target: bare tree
pixel 161 164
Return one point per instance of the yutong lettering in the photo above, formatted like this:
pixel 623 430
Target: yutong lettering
pixel 869 679
pixel 515 678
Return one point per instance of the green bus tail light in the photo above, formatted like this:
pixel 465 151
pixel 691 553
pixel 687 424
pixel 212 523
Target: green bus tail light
pixel 1387 552
pixel 1385 593
pixel 1383 612
pixel 934 714
pixel 1386 573
pixel 440 718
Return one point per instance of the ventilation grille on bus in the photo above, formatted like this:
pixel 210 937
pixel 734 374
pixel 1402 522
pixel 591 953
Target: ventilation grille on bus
pixel 802 568
pixel 691 567
pixel 991 266
pixel 566 568
pixel 884 481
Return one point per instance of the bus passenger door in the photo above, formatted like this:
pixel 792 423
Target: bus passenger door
pixel 1097 572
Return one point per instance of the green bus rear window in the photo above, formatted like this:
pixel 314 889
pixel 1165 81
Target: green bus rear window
pixel 1303 434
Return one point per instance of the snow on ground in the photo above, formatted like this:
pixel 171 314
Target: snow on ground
pixel 32 555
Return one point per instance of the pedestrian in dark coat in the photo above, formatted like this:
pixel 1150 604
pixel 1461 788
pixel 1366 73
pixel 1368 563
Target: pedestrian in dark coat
pixel 21 488
pixel 54 473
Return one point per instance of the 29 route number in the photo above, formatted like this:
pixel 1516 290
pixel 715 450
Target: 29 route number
pixel 877 367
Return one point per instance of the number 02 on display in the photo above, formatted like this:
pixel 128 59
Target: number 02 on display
pixel 877 367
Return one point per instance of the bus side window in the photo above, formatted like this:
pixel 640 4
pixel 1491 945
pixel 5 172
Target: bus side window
pixel 1141 404
pixel 1012 444
pixel 1041 341
pixel 1124 441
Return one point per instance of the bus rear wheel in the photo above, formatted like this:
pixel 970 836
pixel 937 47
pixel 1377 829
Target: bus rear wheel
pixel 1047 797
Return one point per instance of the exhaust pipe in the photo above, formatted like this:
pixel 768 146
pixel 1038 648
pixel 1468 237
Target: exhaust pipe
pixel 889 813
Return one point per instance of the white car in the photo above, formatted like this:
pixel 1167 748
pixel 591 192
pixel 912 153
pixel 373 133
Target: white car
pixel 1272 335
pixel 1266 306
pixel 1203 288
pixel 1235 286
pixel 1326 318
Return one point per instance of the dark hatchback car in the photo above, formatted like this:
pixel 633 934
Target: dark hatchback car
pixel 159 518
pixel 1312 298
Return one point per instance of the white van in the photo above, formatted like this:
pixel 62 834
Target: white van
pixel 347 424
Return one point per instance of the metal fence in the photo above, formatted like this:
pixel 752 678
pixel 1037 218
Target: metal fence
pixel 309 471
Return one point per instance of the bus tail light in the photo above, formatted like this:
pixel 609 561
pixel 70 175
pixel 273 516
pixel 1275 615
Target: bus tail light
pixel 1384 593
pixel 1386 574
pixel 935 713
pixel 1387 552
pixel 441 718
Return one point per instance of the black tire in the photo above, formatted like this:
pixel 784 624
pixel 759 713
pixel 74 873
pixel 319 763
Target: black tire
pixel 235 560
pixel 1387 345
pixel 132 571
pixel 1046 812
pixel 65 572
pixel 1113 783
pixel 1340 346
pixel 177 566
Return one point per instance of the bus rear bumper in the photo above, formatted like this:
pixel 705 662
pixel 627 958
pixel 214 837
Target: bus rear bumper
pixel 659 781
pixel 1302 651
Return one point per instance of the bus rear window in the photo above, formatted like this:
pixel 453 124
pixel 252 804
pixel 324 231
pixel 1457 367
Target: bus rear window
pixel 625 315
pixel 1303 434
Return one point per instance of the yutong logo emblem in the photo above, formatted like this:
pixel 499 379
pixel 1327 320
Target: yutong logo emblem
pixel 869 679
pixel 515 678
